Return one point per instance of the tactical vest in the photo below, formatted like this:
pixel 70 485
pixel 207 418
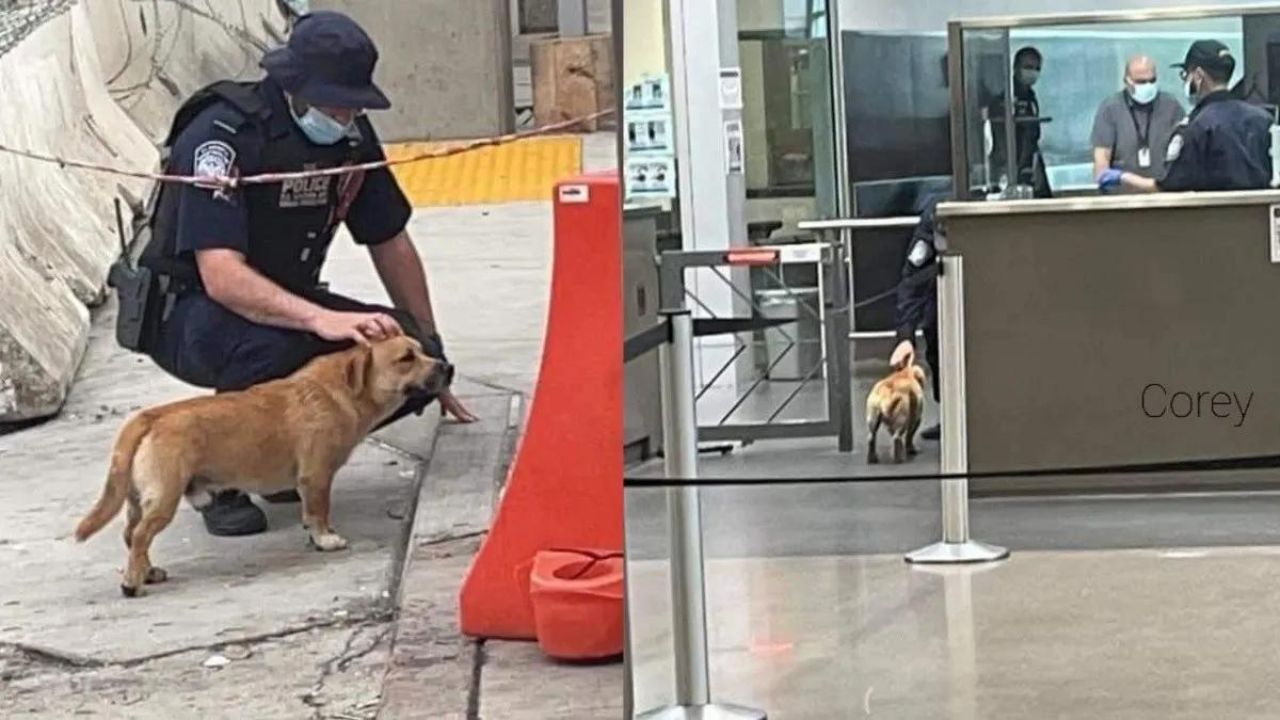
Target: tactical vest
pixel 291 223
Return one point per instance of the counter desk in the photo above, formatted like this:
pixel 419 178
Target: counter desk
pixel 1117 330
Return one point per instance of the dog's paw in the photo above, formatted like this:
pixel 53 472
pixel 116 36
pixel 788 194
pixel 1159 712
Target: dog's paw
pixel 130 592
pixel 156 575
pixel 329 542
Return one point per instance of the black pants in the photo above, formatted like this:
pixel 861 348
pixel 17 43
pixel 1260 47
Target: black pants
pixel 930 331
pixel 207 345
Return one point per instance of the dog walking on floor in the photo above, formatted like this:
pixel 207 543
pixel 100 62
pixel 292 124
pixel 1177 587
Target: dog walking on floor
pixel 896 402
pixel 290 433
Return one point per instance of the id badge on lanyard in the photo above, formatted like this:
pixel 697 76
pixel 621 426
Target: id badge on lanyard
pixel 1144 137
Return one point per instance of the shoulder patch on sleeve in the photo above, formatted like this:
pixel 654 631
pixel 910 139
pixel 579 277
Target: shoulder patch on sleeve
pixel 1175 148
pixel 919 253
pixel 214 158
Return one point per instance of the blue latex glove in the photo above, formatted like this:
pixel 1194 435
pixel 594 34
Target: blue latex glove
pixel 1110 179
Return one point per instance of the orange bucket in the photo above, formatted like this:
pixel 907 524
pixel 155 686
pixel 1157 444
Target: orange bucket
pixel 577 603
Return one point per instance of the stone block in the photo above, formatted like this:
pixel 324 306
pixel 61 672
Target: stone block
pixel 573 77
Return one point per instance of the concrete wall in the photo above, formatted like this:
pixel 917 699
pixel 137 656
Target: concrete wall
pixel 55 236
pixel 599 17
pixel 155 55
pixel 445 64
pixel 97 83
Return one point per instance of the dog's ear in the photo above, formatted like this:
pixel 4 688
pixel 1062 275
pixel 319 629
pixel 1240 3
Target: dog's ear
pixel 359 369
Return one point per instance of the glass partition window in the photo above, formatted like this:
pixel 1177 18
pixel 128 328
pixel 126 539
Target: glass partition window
pixel 986 82
pixel 783 49
pixel 1082 67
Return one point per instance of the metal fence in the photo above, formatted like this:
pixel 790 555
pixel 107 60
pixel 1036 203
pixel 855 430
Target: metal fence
pixel 794 340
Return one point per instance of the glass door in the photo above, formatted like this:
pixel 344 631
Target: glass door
pixel 787 115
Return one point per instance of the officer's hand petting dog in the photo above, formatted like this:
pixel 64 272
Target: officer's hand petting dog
pixel 450 405
pixel 359 327
pixel 903 355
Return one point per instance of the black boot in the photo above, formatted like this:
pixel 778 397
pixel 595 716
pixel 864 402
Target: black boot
pixel 933 432
pixel 232 514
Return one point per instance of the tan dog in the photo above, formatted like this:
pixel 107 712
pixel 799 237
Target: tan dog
pixel 898 402
pixel 294 432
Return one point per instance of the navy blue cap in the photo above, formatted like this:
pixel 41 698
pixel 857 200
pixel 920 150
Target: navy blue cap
pixel 1210 55
pixel 329 61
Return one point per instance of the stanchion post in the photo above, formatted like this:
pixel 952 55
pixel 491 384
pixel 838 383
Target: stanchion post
pixel 688 585
pixel 956 545
pixel 628 667
pixel 689 620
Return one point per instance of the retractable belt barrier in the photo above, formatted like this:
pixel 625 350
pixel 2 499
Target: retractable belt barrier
pixel 1211 465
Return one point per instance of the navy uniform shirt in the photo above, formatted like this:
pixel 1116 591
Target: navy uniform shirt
pixel 917 292
pixel 221 141
pixel 1225 145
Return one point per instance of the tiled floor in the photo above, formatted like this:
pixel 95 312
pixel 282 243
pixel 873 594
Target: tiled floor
pixel 1132 607
pixel 1113 634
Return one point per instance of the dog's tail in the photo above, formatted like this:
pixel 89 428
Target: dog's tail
pixel 119 478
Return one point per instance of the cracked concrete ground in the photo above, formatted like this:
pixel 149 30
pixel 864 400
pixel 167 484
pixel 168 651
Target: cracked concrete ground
pixel 292 676
pixel 304 635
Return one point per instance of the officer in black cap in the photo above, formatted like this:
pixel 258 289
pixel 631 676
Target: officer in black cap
pixel 243 265
pixel 1223 145
pixel 1031 171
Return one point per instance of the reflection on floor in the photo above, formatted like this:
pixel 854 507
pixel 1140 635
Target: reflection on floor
pixel 1119 634
pixel 1141 606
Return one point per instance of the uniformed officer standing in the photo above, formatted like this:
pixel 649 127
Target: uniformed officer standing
pixel 1027 66
pixel 247 261
pixel 918 302
pixel 1225 144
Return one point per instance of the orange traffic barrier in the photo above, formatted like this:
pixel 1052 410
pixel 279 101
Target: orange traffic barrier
pixel 577 603
pixel 565 485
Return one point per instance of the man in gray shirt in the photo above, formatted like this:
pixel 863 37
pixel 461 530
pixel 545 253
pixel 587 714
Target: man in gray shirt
pixel 1132 129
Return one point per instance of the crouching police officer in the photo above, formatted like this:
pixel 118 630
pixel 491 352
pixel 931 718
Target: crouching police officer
pixel 918 302
pixel 1225 143
pixel 239 269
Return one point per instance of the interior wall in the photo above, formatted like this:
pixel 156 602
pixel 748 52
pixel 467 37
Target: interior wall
pixel 644 40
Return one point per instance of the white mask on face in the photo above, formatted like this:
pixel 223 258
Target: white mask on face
pixel 320 128
pixel 1193 89
pixel 1144 93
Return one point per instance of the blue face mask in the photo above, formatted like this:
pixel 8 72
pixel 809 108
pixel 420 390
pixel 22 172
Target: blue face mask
pixel 1144 93
pixel 320 128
